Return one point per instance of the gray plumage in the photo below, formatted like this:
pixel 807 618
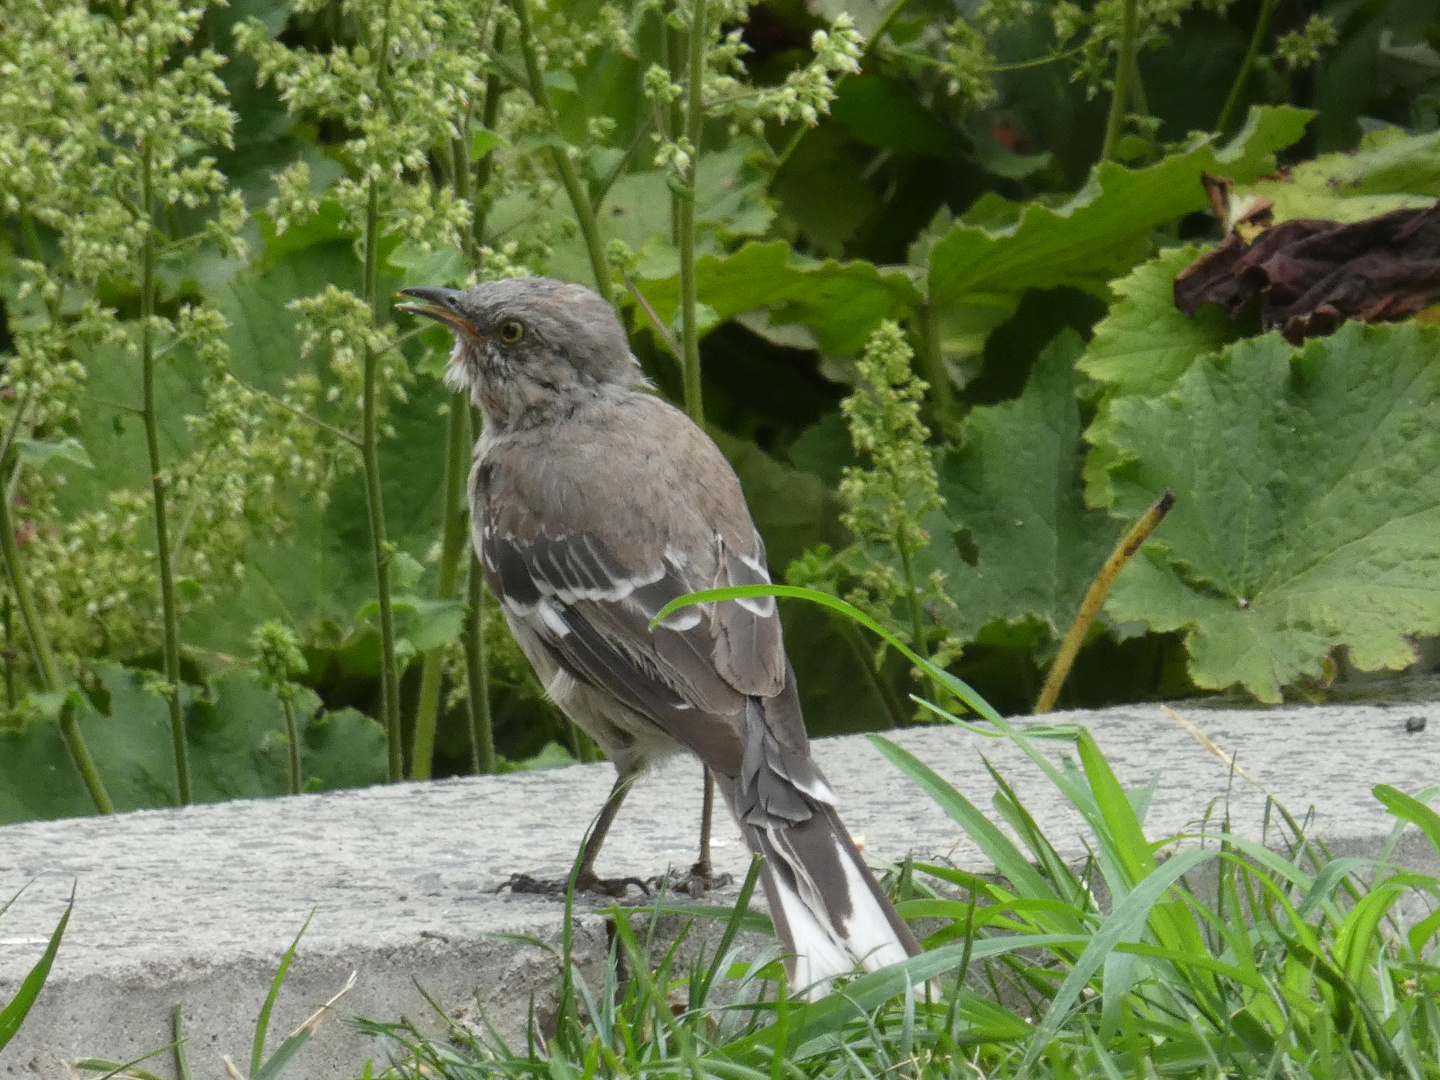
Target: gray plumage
pixel 593 505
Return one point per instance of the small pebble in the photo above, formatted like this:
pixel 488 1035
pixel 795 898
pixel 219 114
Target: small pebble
pixel 1414 724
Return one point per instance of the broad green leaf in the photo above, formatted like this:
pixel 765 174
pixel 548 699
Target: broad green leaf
pixel 237 749
pixel 729 200
pixel 1017 543
pixel 1145 342
pixel 1390 170
pixel 1142 346
pixel 1105 228
pixel 319 569
pixel 841 302
pixel 886 112
pixel 1307 510
pixel 793 509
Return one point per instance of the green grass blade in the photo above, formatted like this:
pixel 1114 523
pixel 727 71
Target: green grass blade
pixel 869 992
pixel 108 1068
pixel 742 905
pixel 958 687
pixel 998 848
pixel 19 1006
pixel 1121 828
pixel 286 1051
pixel 262 1022
pixel 1411 809
pixel 1126 923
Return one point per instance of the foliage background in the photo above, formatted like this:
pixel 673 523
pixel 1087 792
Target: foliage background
pixel 908 244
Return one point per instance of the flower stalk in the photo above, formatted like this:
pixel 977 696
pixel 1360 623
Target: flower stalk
pixel 169 612
pixel 569 176
pixel 452 547
pixel 685 208
pixel 45 659
pixel 1242 77
pixel 380 548
pixel 1124 75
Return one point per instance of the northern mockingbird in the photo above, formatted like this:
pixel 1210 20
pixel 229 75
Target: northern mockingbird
pixel 594 504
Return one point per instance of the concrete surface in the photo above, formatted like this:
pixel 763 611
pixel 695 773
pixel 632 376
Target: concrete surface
pixel 197 906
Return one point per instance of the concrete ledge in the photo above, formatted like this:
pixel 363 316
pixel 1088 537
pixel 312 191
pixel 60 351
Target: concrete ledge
pixel 198 905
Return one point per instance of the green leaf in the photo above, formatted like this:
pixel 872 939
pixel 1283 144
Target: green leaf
pixel 887 113
pixel 237 749
pixel 1105 228
pixel 482 141
pixel 793 509
pixel 1390 170
pixel 1145 343
pixel 1307 510
pixel 1009 860
pixel 431 623
pixel 1125 923
pixel 343 749
pixel 1142 346
pixel 19 1006
pixel 439 266
pixel 1408 808
pixel 1015 540
pixel 40 452
pixel 841 302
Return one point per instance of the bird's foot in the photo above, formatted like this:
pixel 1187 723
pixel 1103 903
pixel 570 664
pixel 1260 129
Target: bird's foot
pixel 586 882
pixel 696 881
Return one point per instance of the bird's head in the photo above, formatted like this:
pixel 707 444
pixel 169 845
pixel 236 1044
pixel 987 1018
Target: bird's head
pixel 525 347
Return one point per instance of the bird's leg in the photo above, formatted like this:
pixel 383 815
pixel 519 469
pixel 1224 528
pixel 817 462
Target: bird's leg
pixel 701 869
pixel 585 879
pixel 702 878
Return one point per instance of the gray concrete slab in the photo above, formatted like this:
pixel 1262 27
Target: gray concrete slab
pixel 196 906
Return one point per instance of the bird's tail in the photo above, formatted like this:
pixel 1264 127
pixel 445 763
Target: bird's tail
pixel 828 910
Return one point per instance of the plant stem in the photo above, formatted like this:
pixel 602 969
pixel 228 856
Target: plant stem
pixel 1124 72
pixel 477 660
pixel 168 610
pixel 9 616
pixel 488 116
pixel 1252 54
pixel 375 505
pixel 917 614
pixel 177 1021
pixel 863 657
pixel 685 207
pixel 80 753
pixel 452 545
pixel 45 661
pixel 682 213
pixel 292 732
pixel 574 187
pixel 482 735
pixel 1095 596
pixel 942 394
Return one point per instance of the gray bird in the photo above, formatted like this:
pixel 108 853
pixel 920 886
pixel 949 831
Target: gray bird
pixel 593 504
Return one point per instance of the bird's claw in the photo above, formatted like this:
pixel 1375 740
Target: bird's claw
pixel 696 881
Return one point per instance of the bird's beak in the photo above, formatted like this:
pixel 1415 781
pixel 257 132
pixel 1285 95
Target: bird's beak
pixel 439 304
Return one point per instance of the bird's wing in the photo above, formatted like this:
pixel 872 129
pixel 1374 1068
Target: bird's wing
pixel 587 537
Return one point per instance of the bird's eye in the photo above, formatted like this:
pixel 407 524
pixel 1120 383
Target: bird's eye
pixel 511 331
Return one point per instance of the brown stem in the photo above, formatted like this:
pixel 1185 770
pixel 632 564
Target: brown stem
pixel 1095 596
